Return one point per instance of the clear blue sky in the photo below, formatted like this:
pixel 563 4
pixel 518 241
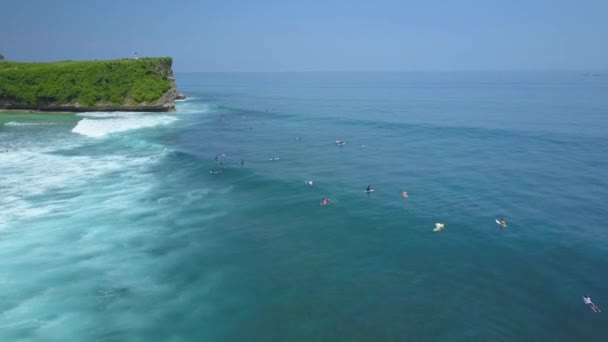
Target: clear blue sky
pixel 312 35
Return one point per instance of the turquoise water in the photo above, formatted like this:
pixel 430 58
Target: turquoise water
pixel 113 229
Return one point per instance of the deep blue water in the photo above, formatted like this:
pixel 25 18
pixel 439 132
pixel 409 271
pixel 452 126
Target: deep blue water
pixel 113 229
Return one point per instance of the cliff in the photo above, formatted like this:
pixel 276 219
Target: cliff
pixel 144 84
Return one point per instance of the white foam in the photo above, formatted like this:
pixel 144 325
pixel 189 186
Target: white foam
pixel 26 174
pixel 51 195
pixel 17 124
pixel 109 115
pixel 107 123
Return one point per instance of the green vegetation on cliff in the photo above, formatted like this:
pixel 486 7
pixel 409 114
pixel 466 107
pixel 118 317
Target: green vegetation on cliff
pixel 141 81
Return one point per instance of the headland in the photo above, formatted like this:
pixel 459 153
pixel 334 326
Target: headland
pixel 144 84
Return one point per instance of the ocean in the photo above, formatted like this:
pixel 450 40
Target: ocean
pixel 112 227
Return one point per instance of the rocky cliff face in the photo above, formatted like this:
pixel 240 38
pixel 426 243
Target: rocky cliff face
pixel 168 99
pixel 122 85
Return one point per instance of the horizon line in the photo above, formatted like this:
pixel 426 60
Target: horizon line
pixel 597 70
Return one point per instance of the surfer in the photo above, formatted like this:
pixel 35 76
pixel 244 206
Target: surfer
pixel 590 304
pixel 214 171
pixel 369 189
pixel 502 222
pixel 310 183
pixel 404 194
pixel 340 142
pixel 439 226
pixel 242 162
pixel 324 201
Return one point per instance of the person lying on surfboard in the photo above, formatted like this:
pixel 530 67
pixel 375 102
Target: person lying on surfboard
pixel 590 304
pixel 502 222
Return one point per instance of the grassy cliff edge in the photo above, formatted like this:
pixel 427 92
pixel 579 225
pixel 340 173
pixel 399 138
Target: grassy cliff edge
pixel 144 84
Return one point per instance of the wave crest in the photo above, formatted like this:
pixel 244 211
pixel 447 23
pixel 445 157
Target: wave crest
pixel 97 125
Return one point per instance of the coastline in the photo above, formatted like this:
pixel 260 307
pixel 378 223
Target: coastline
pixel 78 109
pixel 29 111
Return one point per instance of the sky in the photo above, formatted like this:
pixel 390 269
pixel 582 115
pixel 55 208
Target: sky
pixel 313 35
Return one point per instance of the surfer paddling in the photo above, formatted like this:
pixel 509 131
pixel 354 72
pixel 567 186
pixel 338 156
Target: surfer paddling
pixel 590 304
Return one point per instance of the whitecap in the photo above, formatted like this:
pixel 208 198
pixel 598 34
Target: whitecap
pixel 97 128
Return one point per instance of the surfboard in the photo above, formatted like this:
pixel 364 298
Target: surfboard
pixel 372 190
pixel 436 229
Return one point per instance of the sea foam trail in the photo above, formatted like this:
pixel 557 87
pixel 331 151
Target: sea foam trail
pixel 97 125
